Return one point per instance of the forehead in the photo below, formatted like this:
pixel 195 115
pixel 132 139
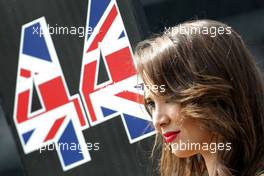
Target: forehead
pixel 147 92
pixel 151 91
pixel 151 97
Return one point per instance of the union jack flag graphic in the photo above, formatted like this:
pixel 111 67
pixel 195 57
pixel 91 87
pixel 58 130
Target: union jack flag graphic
pixel 108 83
pixel 60 119
pixel 108 87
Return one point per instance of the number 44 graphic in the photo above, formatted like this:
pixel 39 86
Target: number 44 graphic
pixel 108 87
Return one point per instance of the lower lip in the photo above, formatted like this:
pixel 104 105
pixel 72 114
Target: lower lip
pixel 171 137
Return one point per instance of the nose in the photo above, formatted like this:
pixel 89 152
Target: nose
pixel 160 120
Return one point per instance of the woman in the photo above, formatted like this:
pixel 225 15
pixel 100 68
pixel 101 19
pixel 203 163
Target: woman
pixel 210 119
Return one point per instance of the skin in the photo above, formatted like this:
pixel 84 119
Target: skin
pixel 166 118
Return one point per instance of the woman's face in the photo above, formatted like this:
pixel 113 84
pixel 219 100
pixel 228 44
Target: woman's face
pixel 182 135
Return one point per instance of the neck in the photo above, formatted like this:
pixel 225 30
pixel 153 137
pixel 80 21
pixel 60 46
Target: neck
pixel 210 161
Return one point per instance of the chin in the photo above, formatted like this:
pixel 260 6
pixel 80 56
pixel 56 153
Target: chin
pixel 183 153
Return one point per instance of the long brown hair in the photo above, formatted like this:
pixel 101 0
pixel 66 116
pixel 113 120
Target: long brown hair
pixel 217 82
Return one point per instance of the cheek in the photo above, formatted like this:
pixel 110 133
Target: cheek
pixel 154 122
pixel 193 132
pixel 175 116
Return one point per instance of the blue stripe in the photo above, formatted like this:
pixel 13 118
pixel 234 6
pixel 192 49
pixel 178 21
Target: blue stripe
pixel 26 136
pixel 97 10
pixel 121 35
pixel 106 111
pixel 34 43
pixel 137 127
pixel 69 146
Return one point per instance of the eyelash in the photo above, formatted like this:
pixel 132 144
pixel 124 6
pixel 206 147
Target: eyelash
pixel 150 105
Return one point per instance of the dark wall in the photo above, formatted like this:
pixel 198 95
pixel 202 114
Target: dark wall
pixel 245 16
pixel 171 12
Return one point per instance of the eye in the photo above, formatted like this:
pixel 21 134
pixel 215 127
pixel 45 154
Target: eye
pixel 150 105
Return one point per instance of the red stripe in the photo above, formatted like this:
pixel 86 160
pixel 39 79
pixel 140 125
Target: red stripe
pixel 79 112
pixel 103 30
pixel 25 73
pixel 88 87
pixel 54 128
pixel 131 96
pixel 22 106
pixel 120 64
pixel 53 93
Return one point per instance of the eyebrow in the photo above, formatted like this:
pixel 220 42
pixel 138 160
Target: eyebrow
pixel 146 99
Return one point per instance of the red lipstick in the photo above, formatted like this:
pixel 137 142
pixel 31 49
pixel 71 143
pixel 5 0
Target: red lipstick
pixel 170 136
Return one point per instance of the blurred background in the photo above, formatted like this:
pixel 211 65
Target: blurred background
pixel 245 16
